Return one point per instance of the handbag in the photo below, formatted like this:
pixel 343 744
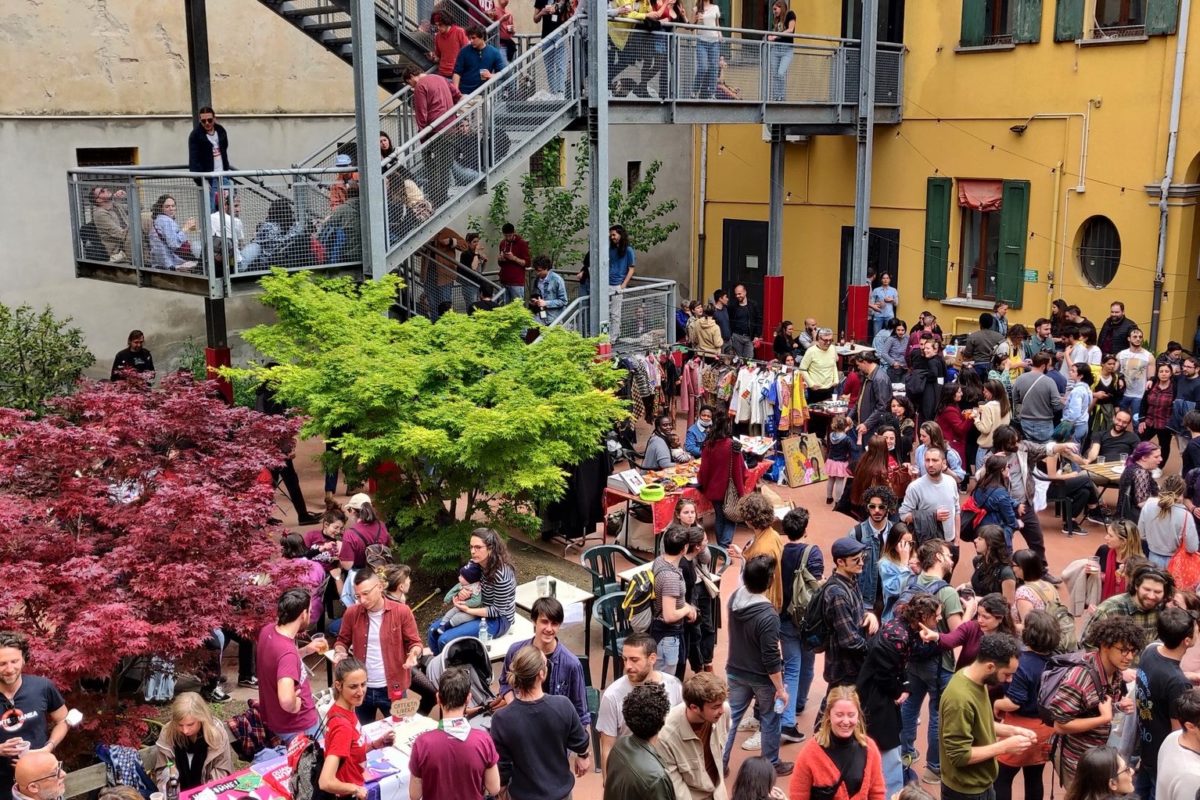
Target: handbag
pixel 1184 566
pixel 730 507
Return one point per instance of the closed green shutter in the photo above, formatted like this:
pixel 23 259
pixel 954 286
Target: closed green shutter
pixel 1014 230
pixel 1162 17
pixel 937 237
pixel 1026 25
pixel 972 23
pixel 1068 21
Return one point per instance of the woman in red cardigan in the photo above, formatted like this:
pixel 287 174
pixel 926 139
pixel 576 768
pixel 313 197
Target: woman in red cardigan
pixel 840 747
pixel 720 460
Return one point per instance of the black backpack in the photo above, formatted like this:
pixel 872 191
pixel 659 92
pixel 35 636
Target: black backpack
pixel 815 631
pixel 306 757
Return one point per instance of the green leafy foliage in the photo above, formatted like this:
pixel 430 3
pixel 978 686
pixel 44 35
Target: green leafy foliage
pixel 461 422
pixel 555 219
pixel 191 360
pixel 41 357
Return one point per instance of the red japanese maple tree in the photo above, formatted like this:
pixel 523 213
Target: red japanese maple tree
pixel 132 524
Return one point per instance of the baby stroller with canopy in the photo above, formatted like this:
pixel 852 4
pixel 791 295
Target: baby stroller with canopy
pixel 469 652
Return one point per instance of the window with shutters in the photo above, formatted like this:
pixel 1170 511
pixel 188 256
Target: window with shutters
pixel 988 23
pixel 979 253
pixel 1118 19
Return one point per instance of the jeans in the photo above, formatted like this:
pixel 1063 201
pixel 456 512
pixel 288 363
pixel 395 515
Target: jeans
pixel 438 639
pixel 1144 783
pixel 310 731
pixel 708 55
pixel 781 59
pixel 669 648
pixel 556 68
pixel 793 665
pixel 513 293
pixel 725 527
pixel 614 312
pixel 893 770
pixel 981 454
pixel 742 690
pixel 1159 560
pixel 742 345
pixel 376 700
pixel 1037 430
pixel 1130 404
pixel 923 680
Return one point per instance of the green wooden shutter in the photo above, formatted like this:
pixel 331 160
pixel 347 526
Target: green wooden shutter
pixel 1026 23
pixel 972 23
pixel 1068 21
pixel 1014 230
pixel 937 237
pixel 1162 17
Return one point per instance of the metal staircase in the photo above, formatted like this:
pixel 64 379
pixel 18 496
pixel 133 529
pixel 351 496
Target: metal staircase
pixel 402 29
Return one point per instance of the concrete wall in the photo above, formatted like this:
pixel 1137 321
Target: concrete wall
pixel 958 110
pixel 113 73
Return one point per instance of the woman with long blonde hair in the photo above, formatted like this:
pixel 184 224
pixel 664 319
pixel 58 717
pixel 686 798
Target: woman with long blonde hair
pixel 194 742
pixel 842 748
pixel 1165 522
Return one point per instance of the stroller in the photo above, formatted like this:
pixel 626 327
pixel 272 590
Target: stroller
pixel 469 652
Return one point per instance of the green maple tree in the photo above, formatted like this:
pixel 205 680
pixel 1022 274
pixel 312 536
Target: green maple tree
pixel 464 423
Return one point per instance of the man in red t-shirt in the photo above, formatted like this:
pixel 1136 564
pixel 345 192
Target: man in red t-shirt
pixel 284 689
pixel 513 262
pixel 456 761
pixel 448 42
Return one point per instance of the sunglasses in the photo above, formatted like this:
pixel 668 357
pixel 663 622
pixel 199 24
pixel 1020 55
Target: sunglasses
pixel 876 506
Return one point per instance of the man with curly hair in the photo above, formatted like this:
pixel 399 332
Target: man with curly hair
pixel 873 532
pixel 634 770
pixel 1083 706
pixel 1150 590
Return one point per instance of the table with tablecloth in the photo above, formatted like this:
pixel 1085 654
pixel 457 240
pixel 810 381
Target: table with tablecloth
pixel 664 509
pixel 386 771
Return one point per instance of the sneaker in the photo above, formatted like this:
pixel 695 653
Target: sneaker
pixel 1072 528
pixel 908 758
pixel 930 775
pixel 249 683
pixel 754 742
pixel 1096 517
pixel 790 735
pixel 784 768
pixel 218 695
pixel 748 724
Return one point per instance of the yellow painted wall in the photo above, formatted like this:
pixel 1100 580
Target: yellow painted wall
pixel 958 111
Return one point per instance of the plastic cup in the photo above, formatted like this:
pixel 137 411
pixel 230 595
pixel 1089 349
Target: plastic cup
pixel 543 585
pixel 1100 459
pixel 157 796
pixel 1094 564
pixel 320 642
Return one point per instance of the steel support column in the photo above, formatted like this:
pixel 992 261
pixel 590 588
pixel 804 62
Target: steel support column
pixel 597 127
pixel 195 14
pixel 366 121
pixel 772 300
pixel 866 135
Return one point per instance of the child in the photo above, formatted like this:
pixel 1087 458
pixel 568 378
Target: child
pixel 468 579
pixel 837 462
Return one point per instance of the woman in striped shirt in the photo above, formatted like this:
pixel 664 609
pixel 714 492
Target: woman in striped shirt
pixel 498 591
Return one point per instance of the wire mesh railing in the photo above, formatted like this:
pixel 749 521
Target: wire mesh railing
pixel 434 284
pixel 218 229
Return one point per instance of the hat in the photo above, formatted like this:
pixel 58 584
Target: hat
pixel 846 547
pixel 342 160
pixel 358 501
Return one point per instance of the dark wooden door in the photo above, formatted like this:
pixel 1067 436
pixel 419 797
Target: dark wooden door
pixel 744 257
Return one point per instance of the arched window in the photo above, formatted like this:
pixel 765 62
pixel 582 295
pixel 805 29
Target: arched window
pixel 1099 251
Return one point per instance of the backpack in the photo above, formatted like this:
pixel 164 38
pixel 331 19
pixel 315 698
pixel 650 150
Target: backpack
pixel 804 589
pixel 814 628
pixel 306 757
pixel 638 603
pixel 1068 638
pixel 971 517
pixel 1057 668
pixel 912 589
pixel 377 555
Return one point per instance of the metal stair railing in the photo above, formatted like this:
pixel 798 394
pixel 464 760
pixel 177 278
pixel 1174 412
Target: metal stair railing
pixel 575 316
pixel 501 124
pixel 431 279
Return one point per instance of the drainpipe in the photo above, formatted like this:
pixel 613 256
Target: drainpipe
pixel 1057 273
pixel 1169 170
pixel 702 238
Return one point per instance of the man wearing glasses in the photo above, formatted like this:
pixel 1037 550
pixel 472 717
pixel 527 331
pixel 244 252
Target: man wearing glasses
pixel 33 716
pixel 39 776
pixel 383 635
pixel 208 146
pixel 849 622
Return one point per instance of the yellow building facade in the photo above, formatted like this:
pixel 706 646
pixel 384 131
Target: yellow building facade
pixel 1022 170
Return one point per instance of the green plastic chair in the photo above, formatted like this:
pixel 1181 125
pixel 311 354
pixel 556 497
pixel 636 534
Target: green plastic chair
pixel 600 561
pixel 614 626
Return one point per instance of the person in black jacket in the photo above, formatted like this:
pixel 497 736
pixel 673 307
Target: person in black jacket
pixel 875 399
pixel 208 147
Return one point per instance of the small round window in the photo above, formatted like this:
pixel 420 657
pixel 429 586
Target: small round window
pixel 1099 251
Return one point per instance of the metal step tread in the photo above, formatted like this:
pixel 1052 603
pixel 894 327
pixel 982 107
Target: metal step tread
pixel 300 13
pixel 319 27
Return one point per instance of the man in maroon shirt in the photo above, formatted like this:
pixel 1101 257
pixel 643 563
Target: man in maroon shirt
pixel 449 40
pixel 432 98
pixel 456 761
pixel 513 262
pixel 284 689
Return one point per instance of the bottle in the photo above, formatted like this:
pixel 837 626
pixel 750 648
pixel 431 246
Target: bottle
pixel 779 705
pixel 172 782
pixel 842 339
pixel 483 631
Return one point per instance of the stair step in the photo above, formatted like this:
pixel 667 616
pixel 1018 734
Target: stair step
pixel 298 13
pixel 320 27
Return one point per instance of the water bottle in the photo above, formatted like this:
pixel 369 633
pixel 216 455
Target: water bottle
pixel 172 782
pixel 483 631
pixel 779 705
